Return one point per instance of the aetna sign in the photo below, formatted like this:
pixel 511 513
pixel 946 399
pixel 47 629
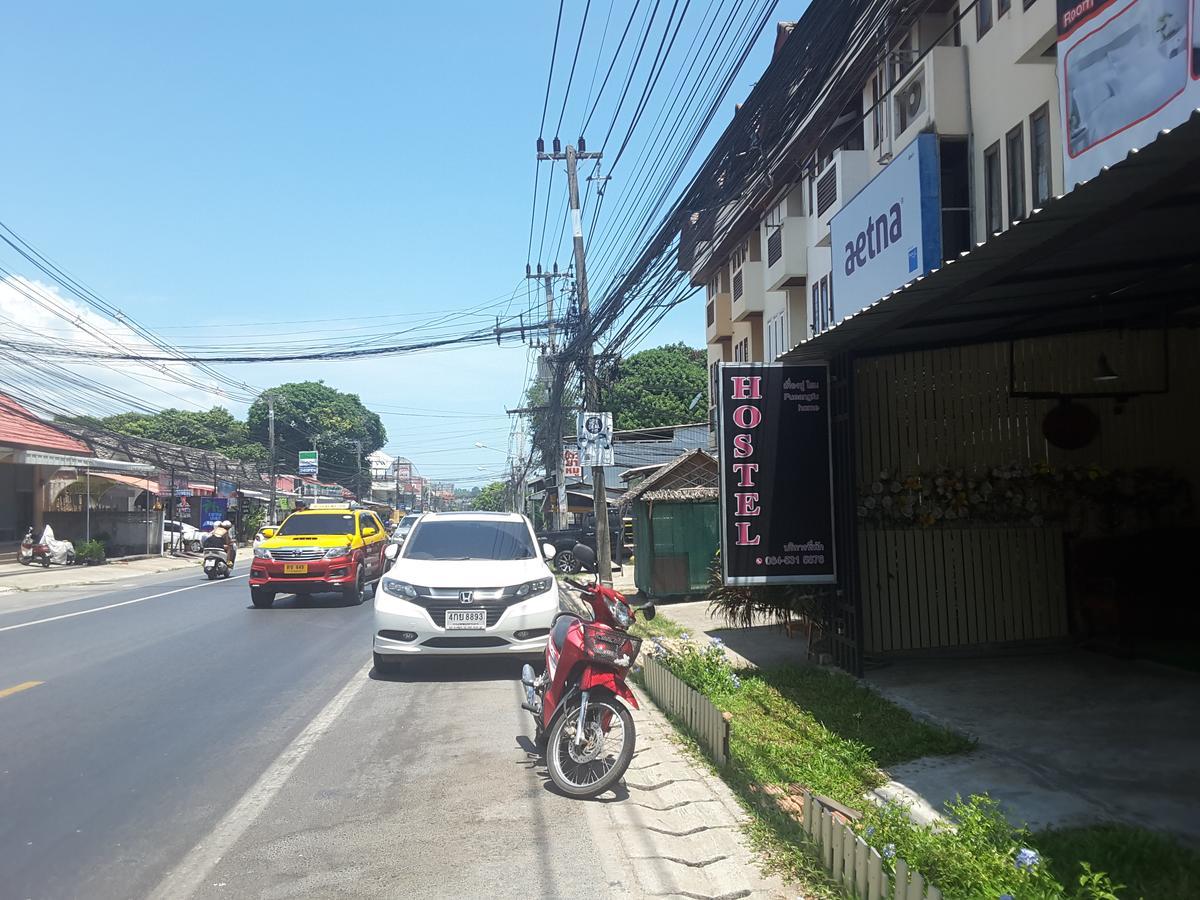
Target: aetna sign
pixel 890 232
pixel 881 233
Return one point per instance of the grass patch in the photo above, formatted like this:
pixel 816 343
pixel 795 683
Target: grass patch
pixel 1149 864
pixel 824 730
pixel 660 626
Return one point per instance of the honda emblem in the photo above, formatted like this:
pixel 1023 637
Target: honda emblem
pixel 464 596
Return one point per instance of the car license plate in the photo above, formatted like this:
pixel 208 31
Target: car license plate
pixel 295 568
pixel 465 618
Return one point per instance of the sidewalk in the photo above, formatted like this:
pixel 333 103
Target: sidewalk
pixel 16 577
pixel 681 826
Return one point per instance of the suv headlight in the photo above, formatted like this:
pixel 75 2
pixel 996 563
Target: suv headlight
pixel 399 588
pixel 260 553
pixel 620 612
pixel 531 588
pixel 335 552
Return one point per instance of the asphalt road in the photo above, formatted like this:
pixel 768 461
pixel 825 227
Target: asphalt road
pixel 165 739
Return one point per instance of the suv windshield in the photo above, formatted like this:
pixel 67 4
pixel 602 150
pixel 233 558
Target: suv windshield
pixel 434 539
pixel 318 523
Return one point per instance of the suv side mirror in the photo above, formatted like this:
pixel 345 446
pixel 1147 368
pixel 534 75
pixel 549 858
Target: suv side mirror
pixel 391 551
pixel 549 551
pixel 268 533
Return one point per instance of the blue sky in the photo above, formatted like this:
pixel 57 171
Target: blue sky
pixel 209 170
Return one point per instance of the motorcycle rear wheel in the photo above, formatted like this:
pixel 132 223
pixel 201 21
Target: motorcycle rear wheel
pixel 571 769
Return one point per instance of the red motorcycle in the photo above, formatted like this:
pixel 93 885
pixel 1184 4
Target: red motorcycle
pixel 582 724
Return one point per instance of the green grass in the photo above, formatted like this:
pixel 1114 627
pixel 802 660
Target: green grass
pixel 824 730
pixel 660 626
pixel 1151 865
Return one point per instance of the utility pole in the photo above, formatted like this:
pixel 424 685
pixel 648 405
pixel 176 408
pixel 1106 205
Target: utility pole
pixel 358 469
pixel 271 441
pixel 592 387
pixel 558 520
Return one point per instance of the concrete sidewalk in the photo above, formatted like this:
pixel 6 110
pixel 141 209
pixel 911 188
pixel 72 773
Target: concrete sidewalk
pixel 16 577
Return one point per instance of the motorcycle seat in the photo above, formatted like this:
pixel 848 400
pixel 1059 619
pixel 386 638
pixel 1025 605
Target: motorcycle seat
pixel 562 624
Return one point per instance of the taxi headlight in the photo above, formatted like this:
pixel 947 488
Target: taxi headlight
pixel 335 552
pixel 260 553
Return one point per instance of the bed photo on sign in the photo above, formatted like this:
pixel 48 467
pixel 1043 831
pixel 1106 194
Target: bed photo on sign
pixel 1125 70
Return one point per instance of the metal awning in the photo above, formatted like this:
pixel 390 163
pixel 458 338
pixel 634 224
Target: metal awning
pixel 67 461
pixel 1122 250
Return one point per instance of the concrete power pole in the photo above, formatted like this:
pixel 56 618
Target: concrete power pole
pixel 592 386
pixel 558 520
pixel 273 514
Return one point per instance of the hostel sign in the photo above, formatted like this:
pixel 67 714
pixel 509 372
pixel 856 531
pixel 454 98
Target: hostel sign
pixel 776 475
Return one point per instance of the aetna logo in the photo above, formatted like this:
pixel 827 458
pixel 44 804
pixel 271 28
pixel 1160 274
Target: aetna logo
pixel 881 233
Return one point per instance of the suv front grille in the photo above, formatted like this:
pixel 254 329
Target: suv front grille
pixel 294 553
pixel 439 600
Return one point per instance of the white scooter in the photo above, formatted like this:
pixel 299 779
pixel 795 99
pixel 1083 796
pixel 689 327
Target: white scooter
pixel 216 563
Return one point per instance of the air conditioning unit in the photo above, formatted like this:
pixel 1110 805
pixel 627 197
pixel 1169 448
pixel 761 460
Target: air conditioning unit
pixel 911 102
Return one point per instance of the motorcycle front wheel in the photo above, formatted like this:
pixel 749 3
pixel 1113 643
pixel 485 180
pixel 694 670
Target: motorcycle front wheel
pixel 591 768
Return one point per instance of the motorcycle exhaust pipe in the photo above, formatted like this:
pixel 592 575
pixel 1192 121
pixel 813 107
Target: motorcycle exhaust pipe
pixel 533 703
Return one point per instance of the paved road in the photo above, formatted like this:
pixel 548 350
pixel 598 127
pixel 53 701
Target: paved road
pixel 166 739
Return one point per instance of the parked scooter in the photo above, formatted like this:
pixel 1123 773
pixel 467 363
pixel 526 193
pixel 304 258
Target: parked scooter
pixel 25 551
pixel 47 550
pixel 216 563
pixel 584 727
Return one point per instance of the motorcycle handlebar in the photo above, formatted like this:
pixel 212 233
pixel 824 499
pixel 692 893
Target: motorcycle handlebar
pixel 577 585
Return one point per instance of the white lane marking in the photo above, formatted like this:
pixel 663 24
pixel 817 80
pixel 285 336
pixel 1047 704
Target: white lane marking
pixel 187 877
pixel 84 612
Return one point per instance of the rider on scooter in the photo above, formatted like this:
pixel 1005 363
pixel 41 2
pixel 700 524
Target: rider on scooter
pixel 222 539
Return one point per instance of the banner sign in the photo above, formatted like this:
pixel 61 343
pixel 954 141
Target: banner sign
pixel 212 511
pixel 891 232
pixel 403 470
pixel 594 435
pixel 181 488
pixel 226 489
pixel 776 474
pixel 308 462
pixel 1126 71
pixel 571 465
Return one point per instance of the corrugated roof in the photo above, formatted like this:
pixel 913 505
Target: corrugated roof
pixel 21 428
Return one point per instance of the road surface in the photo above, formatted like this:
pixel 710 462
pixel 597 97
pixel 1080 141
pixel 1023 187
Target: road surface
pixel 165 739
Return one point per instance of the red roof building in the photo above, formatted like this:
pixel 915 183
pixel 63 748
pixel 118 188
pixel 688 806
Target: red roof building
pixel 21 429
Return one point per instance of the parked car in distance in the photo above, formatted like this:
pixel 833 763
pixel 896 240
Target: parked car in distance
pixel 564 540
pixel 182 536
pixel 465 583
pixel 325 550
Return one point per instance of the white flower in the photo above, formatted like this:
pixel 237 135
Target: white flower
pixel 876 487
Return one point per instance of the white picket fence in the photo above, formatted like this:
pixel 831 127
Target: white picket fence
pixel 853 863
pixel 857 866
pixel 709 725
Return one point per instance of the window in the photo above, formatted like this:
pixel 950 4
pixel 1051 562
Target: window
pixel 825 311
pixel 983 18
pixel 1029 3
pixel 451 540
pixel 992 201
pixel 815 309
pixel 714 381
pixel 1015 150
pixel 741 350
pixel 877 109
pixel 318 524
pixel 1002 6
pixel 1039 154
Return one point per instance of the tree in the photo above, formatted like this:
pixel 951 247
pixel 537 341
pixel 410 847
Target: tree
pixel 215 430
pixel 656 387
pixel 491 498
pixel 311 414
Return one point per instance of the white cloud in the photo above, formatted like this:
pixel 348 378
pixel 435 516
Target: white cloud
pixel 37 313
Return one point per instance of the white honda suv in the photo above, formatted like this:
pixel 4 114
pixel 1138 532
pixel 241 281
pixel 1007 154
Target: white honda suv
pixel 471 583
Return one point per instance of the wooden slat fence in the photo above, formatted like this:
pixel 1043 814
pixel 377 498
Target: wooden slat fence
pixel 954 587
pixel 697 713
pixel 855 865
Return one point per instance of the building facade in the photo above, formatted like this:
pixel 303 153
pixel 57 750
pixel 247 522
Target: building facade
pixel 954 116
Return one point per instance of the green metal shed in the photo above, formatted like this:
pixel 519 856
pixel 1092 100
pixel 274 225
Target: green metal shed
pixel 676 526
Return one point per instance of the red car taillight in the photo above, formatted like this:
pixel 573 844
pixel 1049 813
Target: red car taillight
pixel 608 646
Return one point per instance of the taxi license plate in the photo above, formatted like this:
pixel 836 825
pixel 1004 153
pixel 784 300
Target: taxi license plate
pixel 295 568
pixel 465 618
